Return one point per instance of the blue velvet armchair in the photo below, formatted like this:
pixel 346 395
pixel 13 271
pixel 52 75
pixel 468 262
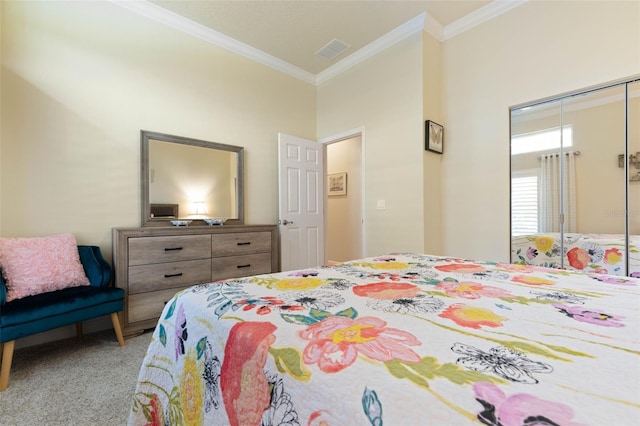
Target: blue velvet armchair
pixel 34 314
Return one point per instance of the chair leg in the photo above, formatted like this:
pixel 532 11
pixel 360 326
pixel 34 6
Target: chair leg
pixel 7 357
pixel 116 328
pixel 79 333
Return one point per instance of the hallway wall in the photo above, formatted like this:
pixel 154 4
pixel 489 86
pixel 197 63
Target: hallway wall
pixel 344 212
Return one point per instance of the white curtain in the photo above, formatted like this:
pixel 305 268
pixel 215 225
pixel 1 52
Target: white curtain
pixel 569 191
pixel 557 192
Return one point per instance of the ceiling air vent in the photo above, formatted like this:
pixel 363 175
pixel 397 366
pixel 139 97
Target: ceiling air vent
pixel 332 49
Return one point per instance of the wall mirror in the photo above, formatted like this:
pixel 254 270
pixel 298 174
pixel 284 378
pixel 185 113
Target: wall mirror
pixel 574 198
pixel 190 179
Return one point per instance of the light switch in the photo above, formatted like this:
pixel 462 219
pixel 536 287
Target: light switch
pixel 382 205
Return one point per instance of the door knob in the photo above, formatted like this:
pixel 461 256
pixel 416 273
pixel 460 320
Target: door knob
pixel 285 222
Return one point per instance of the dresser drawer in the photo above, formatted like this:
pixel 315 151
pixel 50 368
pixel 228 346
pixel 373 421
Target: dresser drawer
pixel 147 250
pixel 149 306
pixel 159 276
pixel 240 243
pixel 240 266
pixel 153 263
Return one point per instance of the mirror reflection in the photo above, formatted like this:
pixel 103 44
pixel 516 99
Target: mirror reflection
pixel 570 184
pixel 189 179
pixel 633 122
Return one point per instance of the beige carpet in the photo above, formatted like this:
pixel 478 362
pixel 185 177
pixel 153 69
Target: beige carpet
pixel 73 382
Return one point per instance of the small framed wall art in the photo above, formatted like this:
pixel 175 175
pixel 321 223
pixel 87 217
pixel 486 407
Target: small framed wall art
pixel 337 184
pixel 434 137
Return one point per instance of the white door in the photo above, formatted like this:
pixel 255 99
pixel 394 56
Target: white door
pixel 301 202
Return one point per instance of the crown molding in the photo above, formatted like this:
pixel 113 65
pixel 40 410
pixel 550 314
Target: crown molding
pixel 421 22
pixel 486 13
pixel 166 17
pixel 410 27
pixel 433 27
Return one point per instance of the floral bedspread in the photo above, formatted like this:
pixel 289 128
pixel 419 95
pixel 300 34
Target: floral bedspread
pixel 402 339
pixel 599 253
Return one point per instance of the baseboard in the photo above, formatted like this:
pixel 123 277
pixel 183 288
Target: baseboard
pixel 90 326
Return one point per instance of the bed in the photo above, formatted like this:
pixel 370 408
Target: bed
pixel 599 253
pixel 400 339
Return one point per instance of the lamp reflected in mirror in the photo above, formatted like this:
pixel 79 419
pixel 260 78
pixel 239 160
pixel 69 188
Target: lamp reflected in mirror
pixel 199 210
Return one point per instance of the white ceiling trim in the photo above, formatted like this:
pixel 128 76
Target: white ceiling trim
pixel 486 13
pixel 164 16
pixel 433 27
pixel 421 22
pixel 392 37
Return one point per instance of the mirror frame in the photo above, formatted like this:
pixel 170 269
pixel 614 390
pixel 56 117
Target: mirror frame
pixel 146 136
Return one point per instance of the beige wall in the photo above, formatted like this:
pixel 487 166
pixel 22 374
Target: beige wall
pixel 76 92
pixel 344 212
pixel 1 116
pixel 383 95
pixel 432 162
pixel 536 50
pixel 81 79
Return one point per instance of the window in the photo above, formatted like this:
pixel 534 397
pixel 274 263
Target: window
pixel 524 202
pixel 542 141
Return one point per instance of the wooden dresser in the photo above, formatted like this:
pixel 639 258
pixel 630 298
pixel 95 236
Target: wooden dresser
pixel 153 263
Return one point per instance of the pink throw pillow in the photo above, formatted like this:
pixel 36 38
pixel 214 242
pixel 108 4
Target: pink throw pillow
pixel 40 265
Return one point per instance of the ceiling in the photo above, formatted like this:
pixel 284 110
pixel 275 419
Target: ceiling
pixel 287 34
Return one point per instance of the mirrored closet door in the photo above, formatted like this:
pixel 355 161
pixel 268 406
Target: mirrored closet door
pixel 574 200
pixel 633 129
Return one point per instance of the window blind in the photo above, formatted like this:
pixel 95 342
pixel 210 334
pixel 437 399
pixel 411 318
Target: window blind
pixel 524 203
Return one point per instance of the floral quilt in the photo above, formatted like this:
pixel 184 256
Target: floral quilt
pixel 599 253
pixel 401 339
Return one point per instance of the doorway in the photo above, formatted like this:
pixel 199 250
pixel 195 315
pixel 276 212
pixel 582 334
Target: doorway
pixel 345 199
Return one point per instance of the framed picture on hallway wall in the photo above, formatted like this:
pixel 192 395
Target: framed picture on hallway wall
pixel 434 137
pixel 337 184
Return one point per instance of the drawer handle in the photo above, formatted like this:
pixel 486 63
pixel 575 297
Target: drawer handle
pixel 244 244
pixel 173 248
pixel 179 274
pixel 248 265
